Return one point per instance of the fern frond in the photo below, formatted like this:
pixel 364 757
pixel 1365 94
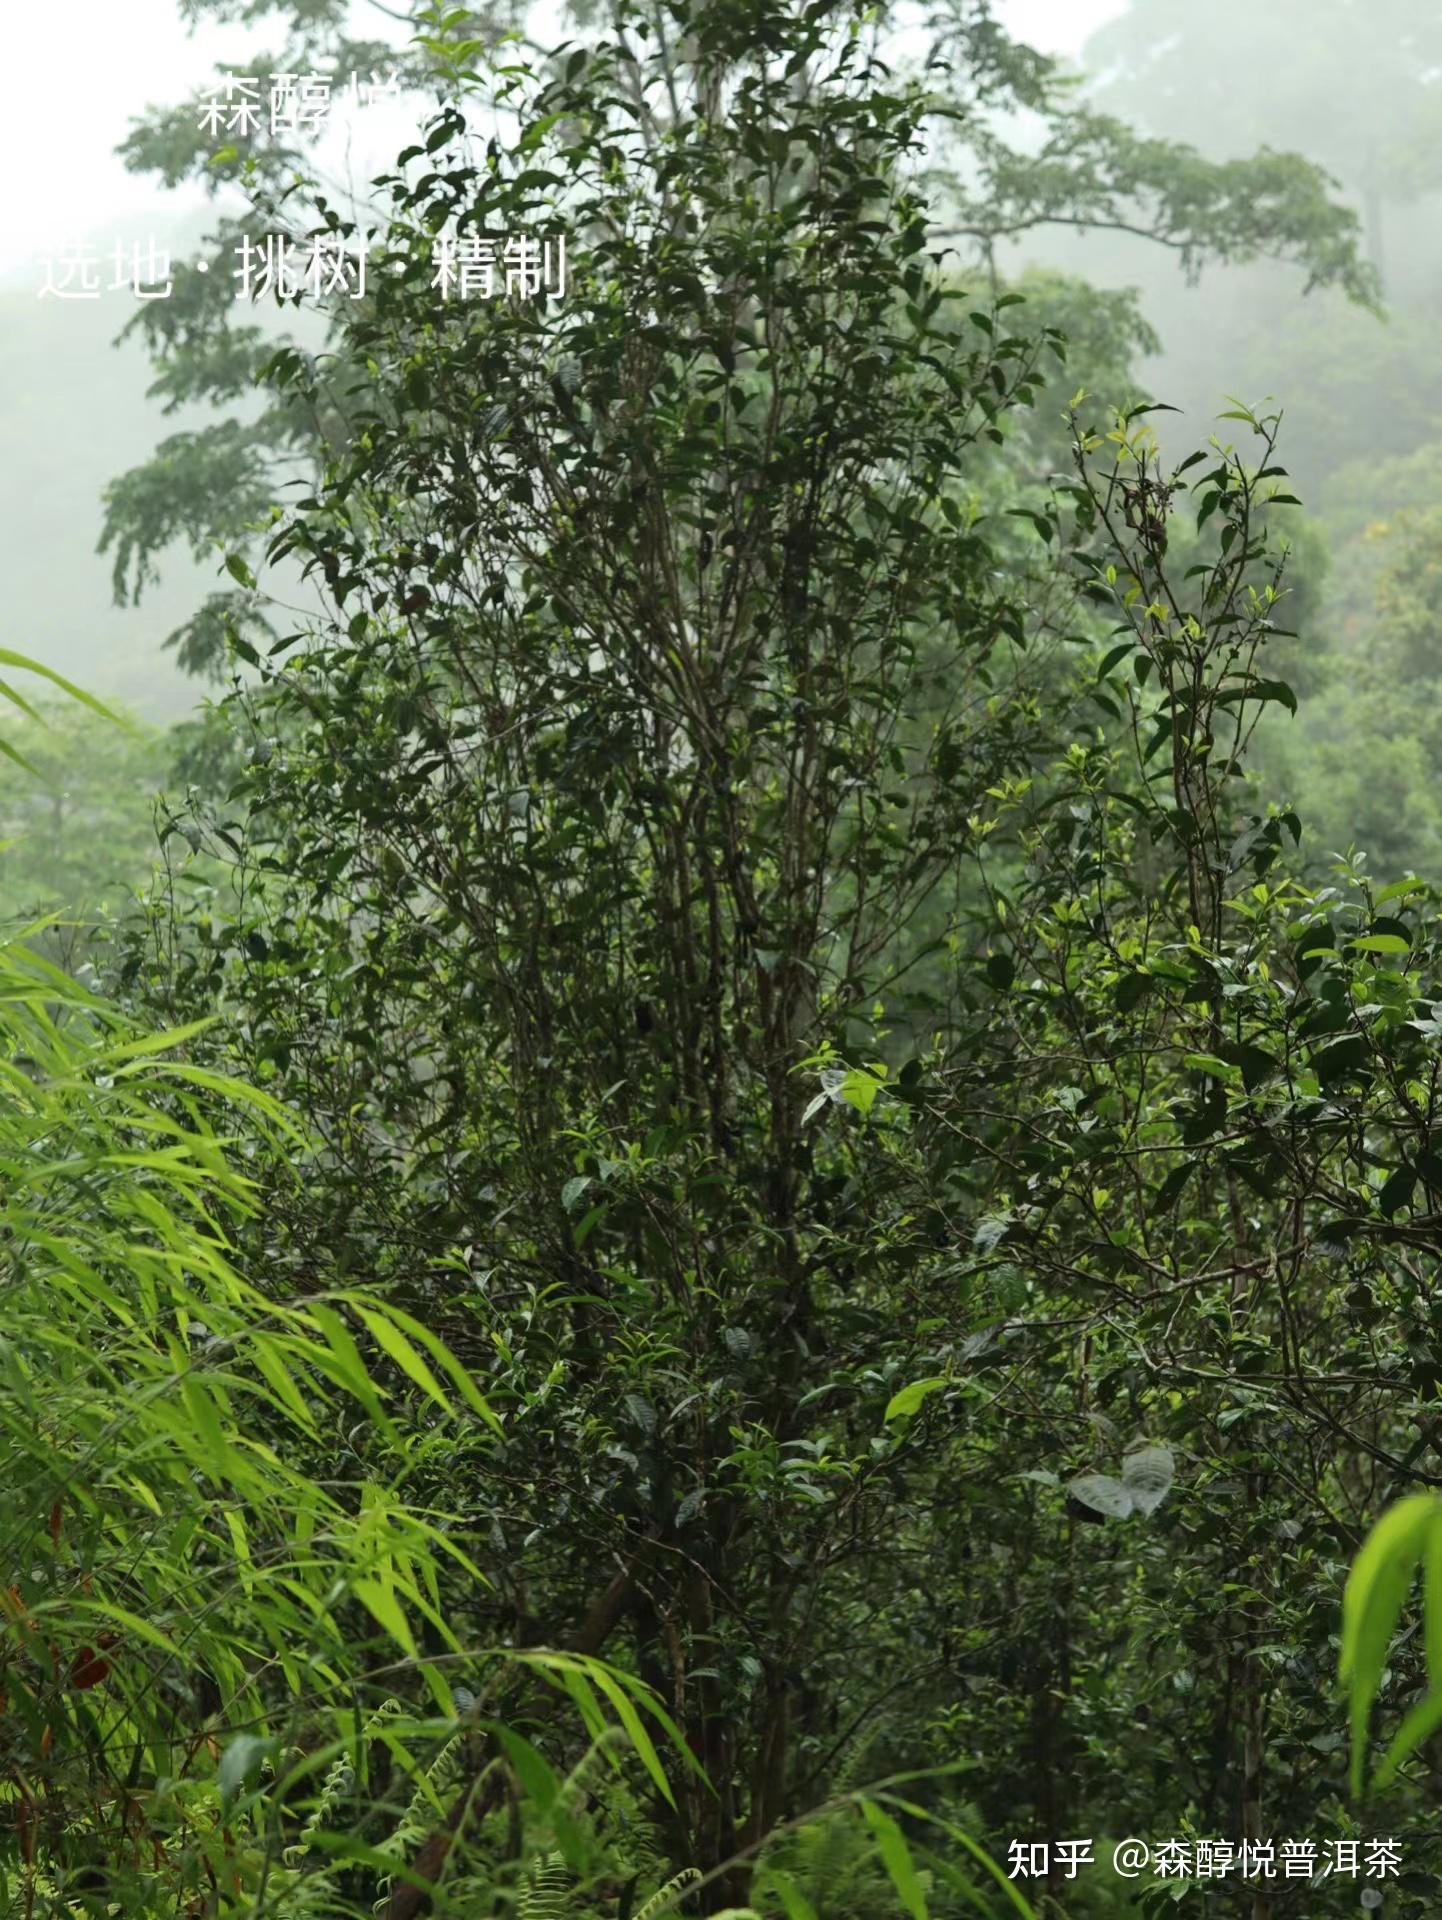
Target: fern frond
pixel 339 1782
pixel 546 1892
pixel 665 1897
pixel 429 1798
pixel 847 1770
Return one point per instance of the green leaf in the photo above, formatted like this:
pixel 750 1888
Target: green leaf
pixel 1131 988
pixel 1380 943
pixel 1210 1064
pixel 978 1853
pixel 1116 654
pixel 393 1341
pixel 1397 1190
pixel 1420 1724
pixel 1398 888
pixel 1261 691
pixel 240 1765
pixel 861 1086
pixel 380 1602
pixel 1377 1586
pixel 1257 1065
pixel 610 1685
pixel 797 1906
pixel 422 1336
pixel 1169 1191
pixel 1432 1606
pixel 26 665
pixel 910 1398
pixel 896 1858
pixel 340 1358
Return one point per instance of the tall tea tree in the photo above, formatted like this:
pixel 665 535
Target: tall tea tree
pixel 667 661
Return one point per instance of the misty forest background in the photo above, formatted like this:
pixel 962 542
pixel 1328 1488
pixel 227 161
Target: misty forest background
pixel 721 1149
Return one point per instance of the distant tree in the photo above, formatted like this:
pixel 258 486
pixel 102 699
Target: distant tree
pixel 1350 83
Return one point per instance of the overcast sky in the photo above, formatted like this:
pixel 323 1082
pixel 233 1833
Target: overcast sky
pixel 60 140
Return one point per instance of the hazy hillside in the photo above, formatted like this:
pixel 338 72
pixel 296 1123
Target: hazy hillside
pixel 73 413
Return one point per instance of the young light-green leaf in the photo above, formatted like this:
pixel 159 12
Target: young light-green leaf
pixel 910 1398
